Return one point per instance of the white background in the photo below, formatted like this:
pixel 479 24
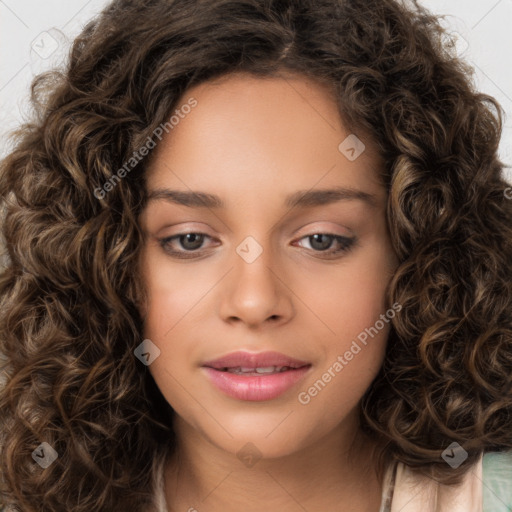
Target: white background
pixel 29 29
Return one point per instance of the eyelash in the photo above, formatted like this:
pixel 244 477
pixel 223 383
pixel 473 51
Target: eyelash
pixel 345 243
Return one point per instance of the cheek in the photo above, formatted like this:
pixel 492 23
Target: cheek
pixel 351 296
pixel 173 320
pixel 171 295
pixel 351 360
pixel 335 390
pixel 351 303
pixel 165 325
pixel 170 304
pixel 166 307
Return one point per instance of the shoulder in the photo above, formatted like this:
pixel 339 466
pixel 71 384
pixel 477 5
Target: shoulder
pixel 497 480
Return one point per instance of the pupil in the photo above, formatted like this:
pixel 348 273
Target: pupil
pixel 195 239
pixel 325 244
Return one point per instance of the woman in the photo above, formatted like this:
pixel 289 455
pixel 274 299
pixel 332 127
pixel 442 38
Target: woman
pixel 259 258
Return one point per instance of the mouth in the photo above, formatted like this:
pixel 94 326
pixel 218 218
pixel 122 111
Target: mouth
pixel 255 362
pixel 268 370
pixel 255 376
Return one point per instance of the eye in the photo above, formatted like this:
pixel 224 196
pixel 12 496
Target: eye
pixel 189 244
pixel 323 243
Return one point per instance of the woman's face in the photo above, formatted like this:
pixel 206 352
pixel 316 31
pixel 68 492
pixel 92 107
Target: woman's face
pixel 289 253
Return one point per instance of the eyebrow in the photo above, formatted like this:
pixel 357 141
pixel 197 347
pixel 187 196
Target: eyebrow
pixel 301 198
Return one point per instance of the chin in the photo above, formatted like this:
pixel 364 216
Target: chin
pixel 266 436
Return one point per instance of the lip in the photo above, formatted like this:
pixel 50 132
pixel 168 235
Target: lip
pixel 255 387
pixel 254 360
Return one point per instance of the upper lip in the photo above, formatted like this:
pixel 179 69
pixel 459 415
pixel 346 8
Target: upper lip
pixel 254 360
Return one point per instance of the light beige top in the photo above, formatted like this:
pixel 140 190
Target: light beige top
pixel 405 491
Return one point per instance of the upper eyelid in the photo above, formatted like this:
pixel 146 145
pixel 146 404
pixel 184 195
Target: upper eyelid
pixel 310 231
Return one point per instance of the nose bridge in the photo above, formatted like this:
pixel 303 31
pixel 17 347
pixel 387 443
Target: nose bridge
pixel 253 269
pixel 256 292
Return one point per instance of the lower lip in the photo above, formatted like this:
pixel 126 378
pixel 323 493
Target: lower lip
pixel 255 387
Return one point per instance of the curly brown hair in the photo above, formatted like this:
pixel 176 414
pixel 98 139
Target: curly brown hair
pixel 70 291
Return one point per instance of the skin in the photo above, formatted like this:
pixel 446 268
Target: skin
pixel 253 141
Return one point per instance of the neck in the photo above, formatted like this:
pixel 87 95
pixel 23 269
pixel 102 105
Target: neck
pixel 337 469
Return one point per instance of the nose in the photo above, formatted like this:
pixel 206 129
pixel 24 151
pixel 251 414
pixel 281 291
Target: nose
pixel 256 293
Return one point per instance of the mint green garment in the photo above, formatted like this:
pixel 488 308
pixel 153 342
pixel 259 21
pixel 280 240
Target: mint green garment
pixel 497 478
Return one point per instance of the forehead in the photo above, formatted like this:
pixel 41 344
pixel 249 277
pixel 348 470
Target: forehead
pixel 261 134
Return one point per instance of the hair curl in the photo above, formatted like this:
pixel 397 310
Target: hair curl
pixel 70 291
